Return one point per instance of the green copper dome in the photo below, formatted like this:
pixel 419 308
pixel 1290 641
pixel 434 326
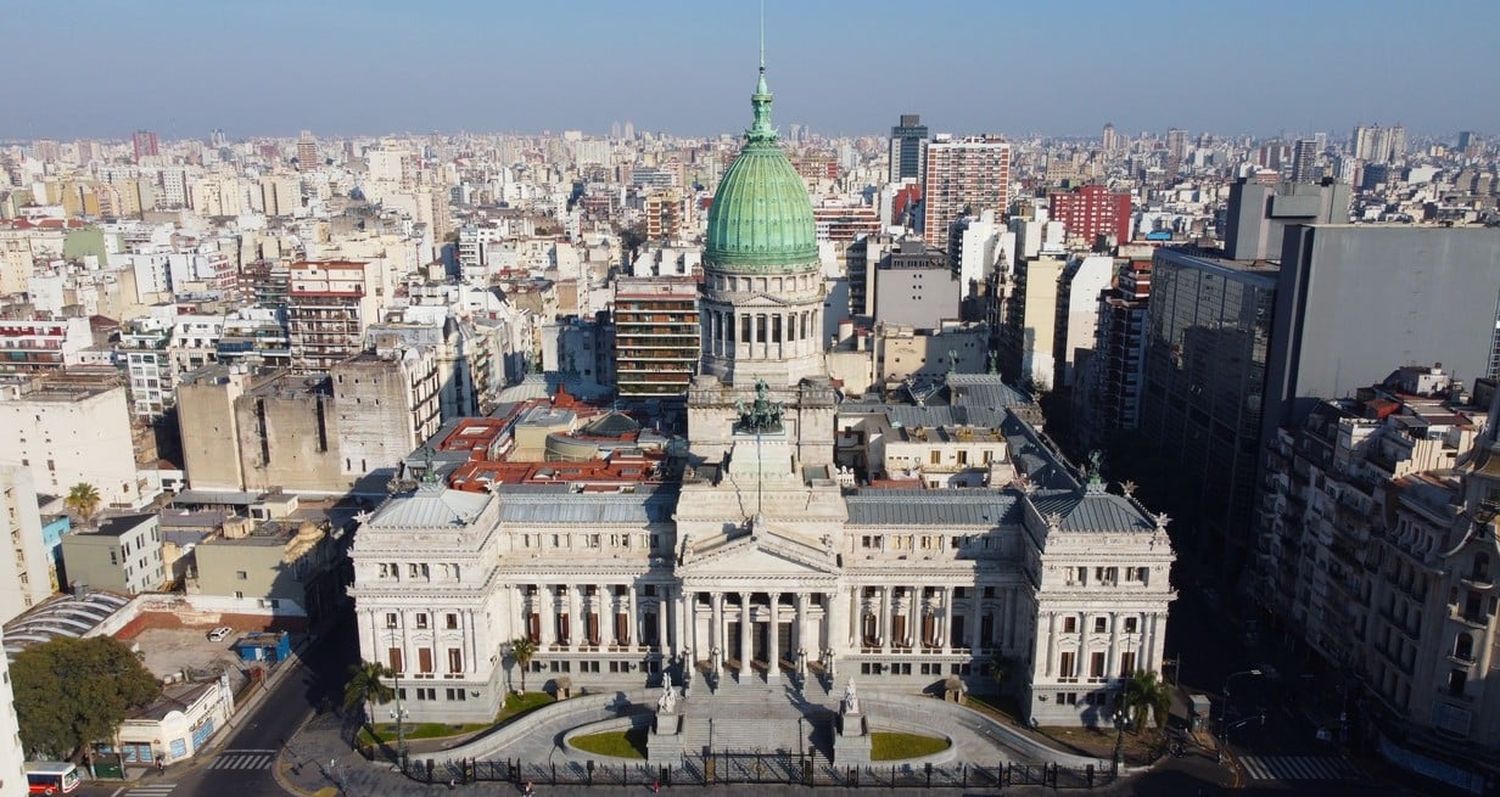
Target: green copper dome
pixel 761 218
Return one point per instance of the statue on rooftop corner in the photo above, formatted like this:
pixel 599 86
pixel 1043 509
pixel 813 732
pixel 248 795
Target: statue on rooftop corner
pixel 762 415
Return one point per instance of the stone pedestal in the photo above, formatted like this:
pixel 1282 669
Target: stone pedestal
pixel 851 747
pixel 666 744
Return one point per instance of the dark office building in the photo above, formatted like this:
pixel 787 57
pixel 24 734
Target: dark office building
pixel 1208 340
pixel 909 149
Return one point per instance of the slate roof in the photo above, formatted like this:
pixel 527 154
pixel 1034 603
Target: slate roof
pixel 958 507
pixel 429 508
pixel 1091 511
pixel 557 504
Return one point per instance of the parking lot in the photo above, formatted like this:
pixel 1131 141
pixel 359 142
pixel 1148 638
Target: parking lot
pixel 168 651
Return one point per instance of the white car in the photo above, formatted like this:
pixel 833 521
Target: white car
pixel 220 633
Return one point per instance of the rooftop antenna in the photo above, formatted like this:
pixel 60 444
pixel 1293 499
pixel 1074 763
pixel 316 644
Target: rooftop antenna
pixel 762 37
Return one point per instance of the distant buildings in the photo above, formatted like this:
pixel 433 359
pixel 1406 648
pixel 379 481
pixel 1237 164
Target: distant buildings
pixel 1027 348
pixel 145 145
pixel 908 155
pixel 1376 144
pixel 964 176
pixel 1092 211
pixel 1112 378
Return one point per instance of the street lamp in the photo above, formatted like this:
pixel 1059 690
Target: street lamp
pixel 1233 675
pixel 1122 721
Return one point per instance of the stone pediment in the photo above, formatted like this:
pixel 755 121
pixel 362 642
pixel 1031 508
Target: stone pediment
pixel 758 551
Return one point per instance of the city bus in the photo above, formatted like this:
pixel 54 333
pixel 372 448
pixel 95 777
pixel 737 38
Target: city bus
pixel 52 777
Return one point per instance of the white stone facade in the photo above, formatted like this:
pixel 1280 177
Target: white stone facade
pixel 900 588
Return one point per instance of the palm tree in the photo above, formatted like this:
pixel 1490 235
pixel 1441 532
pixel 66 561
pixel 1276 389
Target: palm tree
pixel 999 670
pixel 83 499
pixel 522 649
pixel 366 687
pixel 1145 695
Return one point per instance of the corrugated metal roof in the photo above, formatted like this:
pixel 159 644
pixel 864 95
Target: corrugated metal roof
pixel 960 507
pixel 1091 511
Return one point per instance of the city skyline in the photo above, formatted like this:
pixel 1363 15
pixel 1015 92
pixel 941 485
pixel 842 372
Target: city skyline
pixel 537 68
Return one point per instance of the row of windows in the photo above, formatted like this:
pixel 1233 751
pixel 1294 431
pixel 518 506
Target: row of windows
pixel 1108 576
pixel 396 658
pixel 427 693
pixel 622 540
pixel 1129 625
pixel 445 571
pixel 1067 666
pixel 904 668
pixel 421 621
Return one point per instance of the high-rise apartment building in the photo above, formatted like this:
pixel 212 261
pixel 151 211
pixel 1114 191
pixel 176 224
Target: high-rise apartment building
pixel 1027 349
pixel 1108 397
pixel 145 145
pixel 1376 144
pixel 1091 211
pixel 909 149
pixel 1176 151
pixel 1305 161
pixel 307 151
pixel 663 215
pixel 329 305
pixel 1110 141
pixel 1083 281
pixel 657 333
pixel 965 176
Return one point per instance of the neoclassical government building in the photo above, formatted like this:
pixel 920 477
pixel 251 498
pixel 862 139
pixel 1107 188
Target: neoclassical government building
pixel 892 540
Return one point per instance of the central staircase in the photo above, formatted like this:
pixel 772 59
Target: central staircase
pixel 750 715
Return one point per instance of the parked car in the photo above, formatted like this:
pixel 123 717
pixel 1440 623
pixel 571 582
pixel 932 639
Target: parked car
pixel 220 634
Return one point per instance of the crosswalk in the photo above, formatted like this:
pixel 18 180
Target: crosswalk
pixel 243 759
pixel 151 790
pixel 1299 767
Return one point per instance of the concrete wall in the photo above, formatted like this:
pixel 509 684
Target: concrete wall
pixel 210 433
pixel 1354 303
pixel 290 440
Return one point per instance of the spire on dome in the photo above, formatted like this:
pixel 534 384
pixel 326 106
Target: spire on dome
pixel 761 129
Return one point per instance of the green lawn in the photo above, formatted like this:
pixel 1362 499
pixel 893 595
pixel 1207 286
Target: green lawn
pixel 515 706
pixel 886 746
pixel 524 703
pixel 620 744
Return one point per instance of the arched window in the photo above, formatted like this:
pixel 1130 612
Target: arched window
pixel 1481 567
pixel 1463 647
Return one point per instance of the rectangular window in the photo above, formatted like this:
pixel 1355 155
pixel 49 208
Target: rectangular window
pixel 1070 625
pixel 1101 624
pixel 1130 624
pixel 241 575
pixel 1066 667
pixel 451 621
pixel 421 621
pixel 424 661
pixel 395 661
pixel 455 660
pixel 390 619
pixel 1096 665
pixel 1127 664
pixel 935 458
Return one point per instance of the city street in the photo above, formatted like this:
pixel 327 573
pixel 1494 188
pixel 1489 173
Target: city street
pixel 243 763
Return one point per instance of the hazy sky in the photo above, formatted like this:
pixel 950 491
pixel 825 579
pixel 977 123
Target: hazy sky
pixel 271 67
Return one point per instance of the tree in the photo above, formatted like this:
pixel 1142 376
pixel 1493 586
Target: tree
pixel 1145 695
pixel 1000 670
pixel 73 692
pixel 522 649
pixel 367 687
pixel 83 499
